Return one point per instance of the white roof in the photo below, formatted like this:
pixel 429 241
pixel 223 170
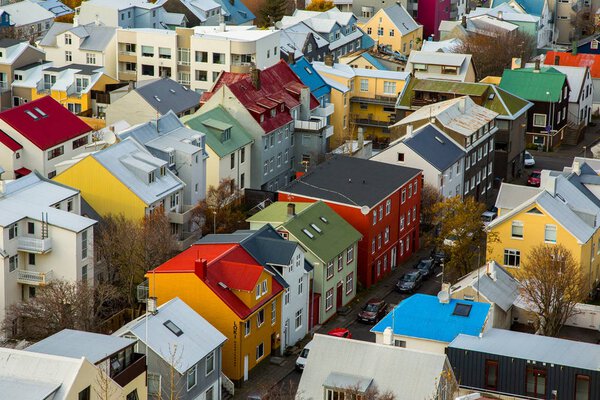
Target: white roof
pixel 482 23
pixel 319 21
pixel 347 71
pixel 12 52
pixel 26 12
pixel 243 33
pixel 508 13
pixel 338 362
pixel 198 338
pixel 32 195
pixel 461 61
pixel 293 38
pixel 124 4
pixel 444 46
pixel 575 78
pixel 511 196
pixel 335 84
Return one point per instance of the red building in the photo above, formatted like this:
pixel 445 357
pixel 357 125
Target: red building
pixel 431 13
pixel 382 201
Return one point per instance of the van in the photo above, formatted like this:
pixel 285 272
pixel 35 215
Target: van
pixel 488 216
pixel 301 361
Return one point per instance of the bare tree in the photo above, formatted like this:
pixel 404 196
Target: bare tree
pixel 221 207
pixel 430 196
pixel 105 387
pixel 490 58
pixel 61 305
pixel 172 390
pixel 552 284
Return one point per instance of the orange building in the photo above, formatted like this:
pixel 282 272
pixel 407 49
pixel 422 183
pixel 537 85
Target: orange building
pixel 231 290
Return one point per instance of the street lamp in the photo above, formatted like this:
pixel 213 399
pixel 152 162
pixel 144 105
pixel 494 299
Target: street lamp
pixel 214 222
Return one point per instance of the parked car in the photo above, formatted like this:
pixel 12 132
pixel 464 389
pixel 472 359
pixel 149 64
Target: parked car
pixel 410 282
pixel 340 332
pixel 535 179
pixel 373 311
pixel 301 361
pixel 426 266
pixel 438 255
pixel 488 216
pixel 528 161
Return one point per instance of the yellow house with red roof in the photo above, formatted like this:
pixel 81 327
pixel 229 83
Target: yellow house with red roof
pixel 231 290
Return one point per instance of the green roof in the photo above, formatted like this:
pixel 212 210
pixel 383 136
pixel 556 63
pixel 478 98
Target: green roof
pixel 505 104
pixel 331 236
pixel 545 85
pixel 213 122
pixel 276 213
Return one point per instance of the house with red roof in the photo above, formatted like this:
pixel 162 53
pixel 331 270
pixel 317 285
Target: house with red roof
pixel 38 135
pixel 228 287
pixel 272 105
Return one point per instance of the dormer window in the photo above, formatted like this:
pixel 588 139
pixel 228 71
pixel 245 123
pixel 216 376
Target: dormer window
pixel 226 135
pixel 282 108
pixel 171 158
pixel 68 39
pixel 163 170
pixel 273 112
pixel 262 118
pixel 151 177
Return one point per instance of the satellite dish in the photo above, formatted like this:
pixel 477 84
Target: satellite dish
pixel 443 296
pixel 364 210
pixel 278 25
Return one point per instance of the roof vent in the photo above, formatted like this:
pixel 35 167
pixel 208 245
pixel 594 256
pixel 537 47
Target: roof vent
pixel 157 98
pixel 491 96
pixel 224 286
pixel 439 140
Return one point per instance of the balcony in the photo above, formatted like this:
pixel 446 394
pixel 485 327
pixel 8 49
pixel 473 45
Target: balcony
pixel 34 245
pixel 315 124
pixel 132 371
pixel 33 277
pixel 125 75
pixel 324 111
pixel 181 215
pixel 378 99
pixel 370 121
pixel 328 131
pixel 142 292
pixel 4 86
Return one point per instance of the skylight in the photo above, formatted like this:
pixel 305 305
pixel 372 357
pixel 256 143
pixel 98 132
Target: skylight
pixel 32 115
pixel 170 325
pixel 439 139
pixel 462 310
pixel 324 219
pixel 157 98
pixel 43 114
pixel 172 91
pixel 307 233
pixel 316 228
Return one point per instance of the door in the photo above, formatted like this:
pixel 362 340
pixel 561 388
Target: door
pixel 340 291
pixel 246 367
pixel 393 258
pixel 286 333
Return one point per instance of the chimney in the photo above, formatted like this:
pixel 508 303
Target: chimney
pixel 388 335
pixel 222 25
pixel 464 21
pixel 329 60
pixel 200 268
pixel 576 168
pixel 291 58
pixel 500 15
pixel 444 294
pixel 305 103
pixel 556 60
pixel 360 138
pixel 574 48
pixel 550 185
pixel 409 130
pixel 291 209
pixel 537 66
pixel 255 76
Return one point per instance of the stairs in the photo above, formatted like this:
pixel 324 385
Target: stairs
pixel 227 388
pixel 225 395
pixel 573 134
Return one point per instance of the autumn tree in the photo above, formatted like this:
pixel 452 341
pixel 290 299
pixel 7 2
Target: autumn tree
pixel 61 305
pixel 320 5
pixel 430 196
pixel 552 284
pixel 460 234
pixel 493 53
pixel 270 12
pixel 221 207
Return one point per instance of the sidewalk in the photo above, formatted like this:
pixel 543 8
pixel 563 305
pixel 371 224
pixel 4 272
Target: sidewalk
pixel 267 375
pixel 592 137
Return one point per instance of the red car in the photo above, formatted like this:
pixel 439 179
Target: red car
pixel 534 179
pixel 340 332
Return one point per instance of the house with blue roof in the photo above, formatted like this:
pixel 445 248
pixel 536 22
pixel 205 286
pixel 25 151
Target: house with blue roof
pixel 429 323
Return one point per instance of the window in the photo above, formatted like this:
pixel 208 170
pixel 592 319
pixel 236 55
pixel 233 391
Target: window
pixel 386 235
pixel 517 230
pixel 512 258
pixel 403 196
pixel 388 207
pixel 273 312
pixel 31 227
pixel 582 387
pixel 329 300
pixel 153 383
pixel 147 51
pixel 536 382
pixel 286 296
pixel 260 351
pixel 329 270
pixel 374 217
pixel 414 213
pixel 378 241
pixel 350 254
pixel 258 291
pixel 550 233
pixel 82 141
pixel 90 58
pixel 298 319
pixel 373 246
pixel 218 58
pixel 164 52
pixel 265 287
pixel 408 218
pixel 201 56
pixel 56 152
pixel 210 393
pixel 364 85
pixel 300 284
pixel 491 374
pixel 539 120
pixel 350 283
pixel 389 87
pixel 68 56
pixel 247 328
pixel 133 395
pixel 68 38
pixel 340 261
pixel 191 377
pixel 400 157
pixel 13 231
pixel 391 32
pixel 84 394
pixel 260 318
pixel 147 70
pixel 13 263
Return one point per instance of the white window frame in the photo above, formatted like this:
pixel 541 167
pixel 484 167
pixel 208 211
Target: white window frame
pixel 537 115
pixel 194 371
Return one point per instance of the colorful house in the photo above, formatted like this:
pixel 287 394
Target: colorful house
pixel 232 291
pixel 564 209
pixel 440 65
pixel 381 201
pixel 394 29
pixel 331 246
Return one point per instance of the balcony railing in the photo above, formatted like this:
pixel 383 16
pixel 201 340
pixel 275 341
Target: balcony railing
pixel 369 121
pixel 181 215
pixel 135 369
pixel 314 124
pixel 328 131
pixel 324 111
pixel 34 245
pixel 142 292
pixel 378 99
pixel 33 277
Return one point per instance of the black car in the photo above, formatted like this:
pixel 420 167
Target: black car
pixel 410 282
pixel 373 311
pixel 426 266
pixel 438 256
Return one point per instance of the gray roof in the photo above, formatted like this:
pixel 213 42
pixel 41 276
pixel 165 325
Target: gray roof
pixel 339 361
pixel 96 37
pixel 434 147
pixel 27 389
pixel 401 18
pixel 128 161
pixel 532 347
pixel 351 180
pixel 165 94
pixel 199 337
pixel 494 283
pixel 76 344
pixel 511 196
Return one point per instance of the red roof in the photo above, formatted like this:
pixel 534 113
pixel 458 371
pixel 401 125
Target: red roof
pixel 278 85
pixel 577 60
pixel 50 127
pixel 228 264
pixel 9 142
pixel 22 171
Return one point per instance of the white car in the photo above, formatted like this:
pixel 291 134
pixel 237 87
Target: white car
pixel 529 161
pixel 301 361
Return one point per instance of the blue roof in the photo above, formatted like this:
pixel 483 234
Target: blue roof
pixel 238 12
pixel 533 7
pixel 55 6
pixel 310 78
pixel 423 316
pixel 434 147
pixel 374 62
pixel 367 42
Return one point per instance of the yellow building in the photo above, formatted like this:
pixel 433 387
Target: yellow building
pixel 234 293
pixel 394 29
pixel 562 210
pixel 83 89
pixel 362 98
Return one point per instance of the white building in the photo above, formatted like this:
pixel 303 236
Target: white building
pixel 30 19
pixel 89 44
pixel 194 56
pixel 581 94
pixel 42 237
pixel 429 149
pixel 127 14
